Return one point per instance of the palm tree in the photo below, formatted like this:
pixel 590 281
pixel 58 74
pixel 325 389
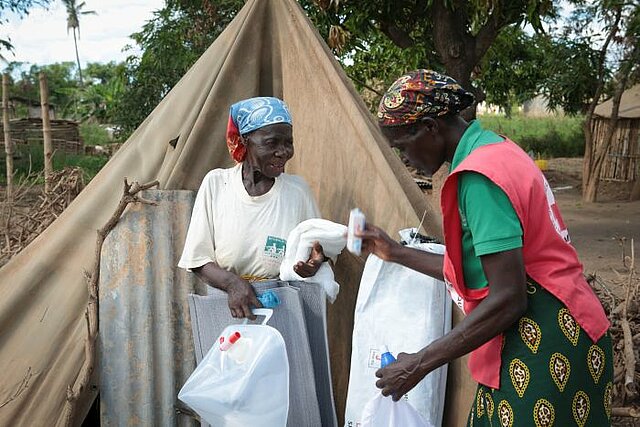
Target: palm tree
pixel 74 10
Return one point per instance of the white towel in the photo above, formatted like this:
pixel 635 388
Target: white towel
pixel 332 237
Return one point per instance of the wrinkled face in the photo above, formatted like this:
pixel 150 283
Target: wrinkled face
pixel 269 148
pixel 420 144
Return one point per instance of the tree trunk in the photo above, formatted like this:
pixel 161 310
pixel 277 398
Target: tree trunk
pixel 8 143
pixel 46 133
pixel 75 42
pixel 461 71
pixel 459 51
pixel 599 154
pixel 588 151
pixel 587 170
pixel 635 192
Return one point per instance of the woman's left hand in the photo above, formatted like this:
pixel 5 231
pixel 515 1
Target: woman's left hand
pixel 311 267
pixel 399 377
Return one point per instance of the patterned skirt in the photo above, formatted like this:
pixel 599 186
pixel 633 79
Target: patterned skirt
pixel 552 373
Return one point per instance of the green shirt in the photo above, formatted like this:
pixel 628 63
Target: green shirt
pixel 489 222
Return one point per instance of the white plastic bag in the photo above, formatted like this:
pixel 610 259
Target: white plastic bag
pixel 384 412
pixel 248 384
pixel 405 310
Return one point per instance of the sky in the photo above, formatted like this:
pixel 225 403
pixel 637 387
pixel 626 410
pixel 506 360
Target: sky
pixel 41 37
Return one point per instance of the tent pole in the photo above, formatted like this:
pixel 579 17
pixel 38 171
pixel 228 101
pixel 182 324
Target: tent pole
pixel 46 133
pixel 8 144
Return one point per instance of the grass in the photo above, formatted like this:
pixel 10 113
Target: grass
pixel 553 136
pixel 31 157
pixel 94 134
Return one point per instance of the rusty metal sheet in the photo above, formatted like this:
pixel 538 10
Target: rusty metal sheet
pixel 145 346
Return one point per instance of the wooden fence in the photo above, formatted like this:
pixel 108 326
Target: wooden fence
pixel 64 133
pixel 623 158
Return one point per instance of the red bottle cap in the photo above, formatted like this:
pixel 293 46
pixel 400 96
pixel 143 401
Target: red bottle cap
pixel 234 337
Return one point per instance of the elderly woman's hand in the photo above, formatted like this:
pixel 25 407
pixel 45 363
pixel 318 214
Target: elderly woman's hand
pixel 241 297
pixel 399 377
pixel 311 267
pixel 377 242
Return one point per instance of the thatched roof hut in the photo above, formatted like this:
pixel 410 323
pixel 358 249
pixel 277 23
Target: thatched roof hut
pixel 623 158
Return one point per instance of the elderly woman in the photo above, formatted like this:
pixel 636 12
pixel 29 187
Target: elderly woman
pixel 243 215
pixel 537 333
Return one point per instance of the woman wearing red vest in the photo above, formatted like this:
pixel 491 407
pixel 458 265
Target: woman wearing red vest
pixel 537 333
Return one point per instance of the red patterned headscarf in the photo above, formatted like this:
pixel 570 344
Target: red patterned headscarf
pixel 252 114
pixel 422 93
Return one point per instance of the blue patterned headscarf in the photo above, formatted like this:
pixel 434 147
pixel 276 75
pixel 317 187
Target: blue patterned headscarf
pixel 252 114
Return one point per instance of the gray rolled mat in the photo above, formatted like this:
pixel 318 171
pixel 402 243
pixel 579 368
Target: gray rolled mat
pixel 301 319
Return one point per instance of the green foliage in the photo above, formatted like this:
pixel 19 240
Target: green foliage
pixel 60 80
pixel 171 42
pixel 30 159
pixel 572 74
pixel 20 7
pixel 74 10
pixel 510 71
pixel 90 165
pixel 385 38
pixel 553 136
pixel 97 73
pixel 96 100
pixel 94 134
pixel 575 52
pixel 450 36
pixel 378 64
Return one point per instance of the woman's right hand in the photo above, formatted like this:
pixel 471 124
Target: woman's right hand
pixel 377 242
pixel 241 297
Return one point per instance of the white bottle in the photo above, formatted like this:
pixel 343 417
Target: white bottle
pixel 356 225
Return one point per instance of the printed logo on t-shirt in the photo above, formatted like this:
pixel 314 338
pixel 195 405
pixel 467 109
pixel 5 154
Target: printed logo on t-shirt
pixel 274 248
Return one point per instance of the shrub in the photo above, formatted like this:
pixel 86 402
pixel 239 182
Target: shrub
pixel 553 136
pixel 31 158
pixel 94 134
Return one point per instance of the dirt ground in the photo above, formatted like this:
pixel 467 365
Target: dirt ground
pixel 596 229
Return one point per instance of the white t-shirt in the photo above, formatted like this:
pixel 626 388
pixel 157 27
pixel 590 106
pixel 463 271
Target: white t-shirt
pixel 241 233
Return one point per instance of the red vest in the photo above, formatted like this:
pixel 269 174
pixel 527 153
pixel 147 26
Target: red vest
pixel 549 258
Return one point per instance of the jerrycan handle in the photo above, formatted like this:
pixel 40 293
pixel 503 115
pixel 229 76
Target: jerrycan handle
pixel 266 312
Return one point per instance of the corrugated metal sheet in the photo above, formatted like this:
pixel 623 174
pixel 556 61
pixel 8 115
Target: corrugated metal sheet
pixel 146 350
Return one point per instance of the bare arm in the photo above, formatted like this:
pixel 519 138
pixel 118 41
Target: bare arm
pixel 241 295
pixel 376 241
pixel 505 304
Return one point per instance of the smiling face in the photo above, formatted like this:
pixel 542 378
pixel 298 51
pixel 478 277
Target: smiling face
pixel 269 149
pixel 421 143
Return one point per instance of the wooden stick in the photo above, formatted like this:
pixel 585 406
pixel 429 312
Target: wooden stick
pixel 8 143
pixel 46 133
pixel 625 412
pixel 629 356
pixel 74 391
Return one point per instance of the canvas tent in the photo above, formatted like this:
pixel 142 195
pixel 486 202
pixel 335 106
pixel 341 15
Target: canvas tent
pixel 270 48
pixel 623 157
